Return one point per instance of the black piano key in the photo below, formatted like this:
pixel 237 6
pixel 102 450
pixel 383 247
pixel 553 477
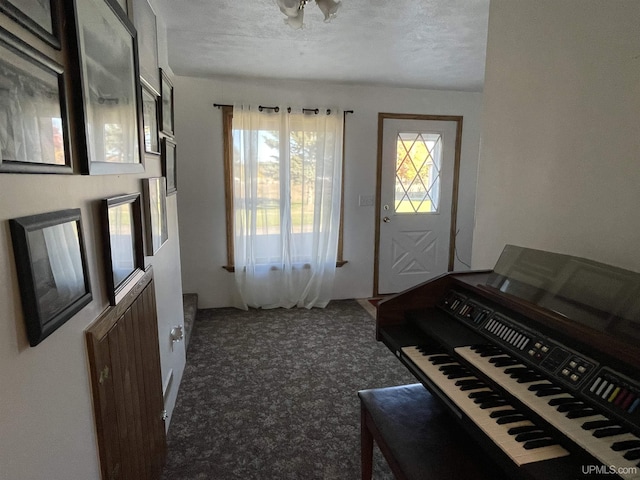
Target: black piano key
pixel 609 431
pixel 490 353
pixel 504 413
pixel 597 424
pixel 506 362
pixel 483 394
pixel 549 391
pixel 522 429
pixel 450 368
pixel 543 442
pixel 510 419
pixel 535 435
pixel 540 386
pixel 584 412
pixel 516 370
pixel 464 388
pixel 460 374
pixel 632 454
pixel 625 445
pixel 440 359
pixel 447 369
pixel 567 407
pixel 481 400
pixel 562 400
pixel 498 402
pixel 470 381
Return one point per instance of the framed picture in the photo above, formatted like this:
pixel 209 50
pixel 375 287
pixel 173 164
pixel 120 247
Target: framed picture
pixel 144 20
pixel 166 104
pixel 111 111
pixel 124 257
pixel 157 231
pixel 169 167
pixel 150 118
pixel 39 17
pixel 123 5
pixel 34 129
pixel 52 270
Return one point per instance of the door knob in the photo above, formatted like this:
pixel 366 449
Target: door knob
pixel 386 219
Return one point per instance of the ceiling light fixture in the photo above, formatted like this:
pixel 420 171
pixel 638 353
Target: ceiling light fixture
pixel 294 10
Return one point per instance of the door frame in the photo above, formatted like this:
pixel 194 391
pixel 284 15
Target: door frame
pixel 454 198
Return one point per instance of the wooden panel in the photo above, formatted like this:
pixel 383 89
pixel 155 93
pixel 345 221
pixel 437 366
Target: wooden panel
pixel 126 381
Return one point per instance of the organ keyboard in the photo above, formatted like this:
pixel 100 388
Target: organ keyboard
pixel 539 359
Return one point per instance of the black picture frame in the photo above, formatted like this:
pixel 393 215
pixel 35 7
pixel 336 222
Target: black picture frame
pixel 166 104
pixel 169 164
pixel 34 113
pixel 40 18
pixel 150 100
pixel 105 53
pixel 52 270
pixel 156 227
pixel 144 19
pixel 123 244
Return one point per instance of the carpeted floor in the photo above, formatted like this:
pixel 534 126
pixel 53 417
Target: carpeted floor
pixel 272 395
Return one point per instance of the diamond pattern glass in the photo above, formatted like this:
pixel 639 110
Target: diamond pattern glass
pixel 418 164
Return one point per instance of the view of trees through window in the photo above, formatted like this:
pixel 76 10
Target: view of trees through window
pixel 418 160
pixel 300 174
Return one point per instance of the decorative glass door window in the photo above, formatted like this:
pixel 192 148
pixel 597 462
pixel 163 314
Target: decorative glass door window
pixel 418 165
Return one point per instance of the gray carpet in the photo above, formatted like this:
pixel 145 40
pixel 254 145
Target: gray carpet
pixel 272 394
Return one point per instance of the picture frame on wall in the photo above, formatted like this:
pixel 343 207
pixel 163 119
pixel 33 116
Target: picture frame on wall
pixel 166 104
pixel 39 17
pixel 52 270
pixel 156 228
pixel 144 19
pixel 111 111
pixel 123 244
pixel 169 164
pixel 150 118
pixel 34 120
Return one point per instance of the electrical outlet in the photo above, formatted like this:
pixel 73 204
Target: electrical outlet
pixel 365 200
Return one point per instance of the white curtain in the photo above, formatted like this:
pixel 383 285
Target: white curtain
pixel 66 264
pixel 287 172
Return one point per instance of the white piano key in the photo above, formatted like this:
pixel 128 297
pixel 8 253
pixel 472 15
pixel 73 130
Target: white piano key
pixel 600 448
pixel 482 417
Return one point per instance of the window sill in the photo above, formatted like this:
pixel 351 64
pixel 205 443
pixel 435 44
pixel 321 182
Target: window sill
pixel 231 268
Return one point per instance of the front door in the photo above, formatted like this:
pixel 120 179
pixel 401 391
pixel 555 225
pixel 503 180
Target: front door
pixel 418 166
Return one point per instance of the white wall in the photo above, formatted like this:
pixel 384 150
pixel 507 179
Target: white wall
pixel 46 416
pixel 560 157
pixel 201 184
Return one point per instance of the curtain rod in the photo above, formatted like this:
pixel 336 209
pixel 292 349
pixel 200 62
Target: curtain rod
pixel 277 109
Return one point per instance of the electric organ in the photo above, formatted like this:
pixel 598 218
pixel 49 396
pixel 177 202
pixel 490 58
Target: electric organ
pixel 538 359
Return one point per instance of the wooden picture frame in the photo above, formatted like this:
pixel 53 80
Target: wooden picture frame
pixel 34 115
pixel 169 164
pixel 52 269
pixel 111 111
pixel 144 19
pixel 166 104
pixel 156 228
pixel 39 17
pixel 123 244
pixel 150 118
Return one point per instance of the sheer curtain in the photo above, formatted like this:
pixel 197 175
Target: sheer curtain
pixel 287 171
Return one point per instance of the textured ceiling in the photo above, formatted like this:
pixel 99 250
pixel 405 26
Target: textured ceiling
pixel 437 44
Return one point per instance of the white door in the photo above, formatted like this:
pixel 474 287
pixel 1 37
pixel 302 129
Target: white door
pixel 417 177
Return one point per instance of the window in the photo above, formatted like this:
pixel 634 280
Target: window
pixel 418 163
pixel 283 197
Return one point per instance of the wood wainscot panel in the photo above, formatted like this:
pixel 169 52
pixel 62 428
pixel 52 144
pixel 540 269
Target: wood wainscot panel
pixel 126 380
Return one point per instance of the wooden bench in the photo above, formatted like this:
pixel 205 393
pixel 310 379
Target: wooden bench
pixel 419 439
